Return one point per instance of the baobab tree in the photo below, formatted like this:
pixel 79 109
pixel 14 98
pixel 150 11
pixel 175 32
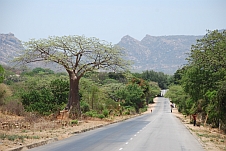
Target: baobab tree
pixel 77 55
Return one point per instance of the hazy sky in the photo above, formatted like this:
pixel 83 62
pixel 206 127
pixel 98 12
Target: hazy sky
pixel 110 20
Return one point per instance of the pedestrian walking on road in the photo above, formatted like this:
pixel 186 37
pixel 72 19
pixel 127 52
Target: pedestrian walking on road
pixel 172 106
pixel 194 118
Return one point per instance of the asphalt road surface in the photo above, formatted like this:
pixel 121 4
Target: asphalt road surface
pixel 156 131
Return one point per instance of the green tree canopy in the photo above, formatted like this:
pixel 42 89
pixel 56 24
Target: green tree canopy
pixel 132 96
pixel 206 68
pixel 179 97
pixel 159 77
pixel 202 78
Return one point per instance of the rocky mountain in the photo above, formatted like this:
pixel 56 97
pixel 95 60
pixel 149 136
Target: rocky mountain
pixel 158 53
pixel 10 47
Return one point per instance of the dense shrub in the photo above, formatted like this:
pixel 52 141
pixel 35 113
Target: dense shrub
pixel 94 113
pixel 41 101
pixel 91 113
pixel 101 116
pixel 105 113
pixel 84 107
pixel 46 100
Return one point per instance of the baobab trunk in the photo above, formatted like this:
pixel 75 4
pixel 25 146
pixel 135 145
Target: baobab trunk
pixel 73 99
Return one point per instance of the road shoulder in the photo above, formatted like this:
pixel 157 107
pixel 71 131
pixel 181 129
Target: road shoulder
pixel 211 139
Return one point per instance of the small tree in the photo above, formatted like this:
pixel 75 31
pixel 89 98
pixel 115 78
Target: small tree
pixel 77 55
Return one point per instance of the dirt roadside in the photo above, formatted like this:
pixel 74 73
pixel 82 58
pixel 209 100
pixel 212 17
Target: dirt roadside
pixel 211 139
pixel 46 132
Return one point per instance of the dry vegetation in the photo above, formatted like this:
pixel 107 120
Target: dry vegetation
pixel 19 133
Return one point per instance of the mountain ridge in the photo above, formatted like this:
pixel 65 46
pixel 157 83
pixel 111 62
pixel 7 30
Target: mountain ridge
pixel 159 53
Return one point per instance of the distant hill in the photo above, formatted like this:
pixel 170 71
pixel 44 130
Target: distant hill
pixel 159 53
pixel 10 47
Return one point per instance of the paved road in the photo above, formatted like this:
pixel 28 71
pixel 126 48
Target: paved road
pixel 157 131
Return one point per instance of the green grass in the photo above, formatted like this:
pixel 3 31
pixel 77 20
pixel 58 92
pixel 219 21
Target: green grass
pixel 17 137
pixel 35 137
pixel 74 122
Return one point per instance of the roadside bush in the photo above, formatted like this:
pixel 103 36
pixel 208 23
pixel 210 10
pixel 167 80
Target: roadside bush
pixel 91 113
pixel 129 110
pixel 144 109
pixel 105 113
pixel 74 122
pixel 60 90
pixel 94 113
pixel 39 101
pixel 84 107
pixel 101 116
pixel 47 99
